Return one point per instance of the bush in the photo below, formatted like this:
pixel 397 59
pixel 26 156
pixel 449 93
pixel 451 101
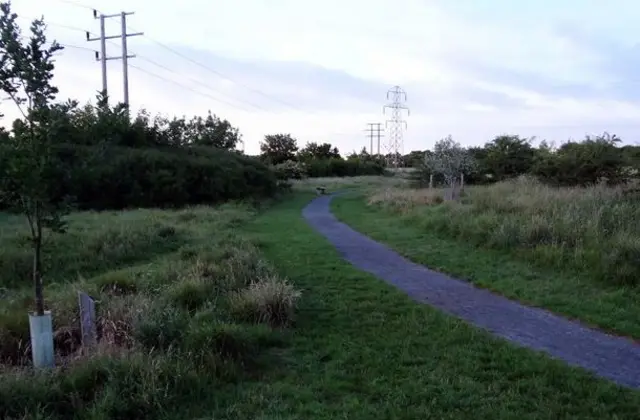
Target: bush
pixel 582 164
pixel 269 300
pixel 290 170
pixel 162 177
pixel 341 168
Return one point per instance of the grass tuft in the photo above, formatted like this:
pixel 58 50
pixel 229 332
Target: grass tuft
pixel 270 300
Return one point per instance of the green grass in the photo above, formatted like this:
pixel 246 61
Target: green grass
pixel 358 348
pixel 568 292
pixel 363 350
pixel 185 305
pixel 333 184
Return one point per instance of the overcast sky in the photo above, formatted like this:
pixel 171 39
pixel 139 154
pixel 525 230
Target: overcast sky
pixel 320 70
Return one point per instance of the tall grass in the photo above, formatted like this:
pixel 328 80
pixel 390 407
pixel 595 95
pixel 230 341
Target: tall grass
pixel 334 184
pixel 595 229
pixel 171 327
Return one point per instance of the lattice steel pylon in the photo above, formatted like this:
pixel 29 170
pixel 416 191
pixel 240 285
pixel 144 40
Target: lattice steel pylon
pixel 395 142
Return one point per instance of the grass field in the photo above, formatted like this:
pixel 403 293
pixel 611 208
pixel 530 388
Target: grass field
pixel 357 348
pixel 363 350
pixel 574 251
pixel 185 304
pixel 358 182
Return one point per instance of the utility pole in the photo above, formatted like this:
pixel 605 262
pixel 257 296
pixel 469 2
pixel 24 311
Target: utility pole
pixel 395 145
pixel 103 58
pixel 377 127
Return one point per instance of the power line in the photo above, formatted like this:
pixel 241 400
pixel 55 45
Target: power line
pixel 218 73
pixel 72 28
pixel 185 87
pixel 77 47
pixel 78 29
pixel 162 66
pixel 199 83
pixel 74 3
pixel 153 62
pixel 49 23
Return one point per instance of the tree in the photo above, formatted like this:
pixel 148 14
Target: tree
pixel 212 131
pixel 363 156
pixel 278 148
pixel 593 160
pixel 318 151
pixel 508 156
pixel 450 160
pixel 28 181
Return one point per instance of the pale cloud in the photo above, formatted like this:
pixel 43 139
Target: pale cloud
pixel 471 69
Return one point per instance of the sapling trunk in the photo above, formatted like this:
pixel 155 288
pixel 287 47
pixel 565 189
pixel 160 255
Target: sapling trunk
pixel 37 273
pixel 36 232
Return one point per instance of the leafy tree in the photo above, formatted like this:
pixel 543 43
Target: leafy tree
pixel 212 131
pixel 290 170
pixel 588 162
pixel 450 160
pixel 363 156
pixel 32 171
pixel 352 156
pixel 508 156
pixel 278 148
pixel 318 151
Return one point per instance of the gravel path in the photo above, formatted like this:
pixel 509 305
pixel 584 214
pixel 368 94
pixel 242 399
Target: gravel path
pixel 615 358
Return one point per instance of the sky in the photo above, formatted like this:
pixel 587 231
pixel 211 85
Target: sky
pixel 321 70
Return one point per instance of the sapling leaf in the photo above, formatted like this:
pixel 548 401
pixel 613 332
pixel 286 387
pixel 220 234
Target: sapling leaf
pixel 32 168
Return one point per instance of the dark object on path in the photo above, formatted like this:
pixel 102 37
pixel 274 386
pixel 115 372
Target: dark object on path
pixel 321 190
pixel 614 358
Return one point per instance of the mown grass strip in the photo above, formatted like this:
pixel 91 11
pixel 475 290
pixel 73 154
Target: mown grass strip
pixel 364 350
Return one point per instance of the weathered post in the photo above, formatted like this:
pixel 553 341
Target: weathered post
pixel 87 320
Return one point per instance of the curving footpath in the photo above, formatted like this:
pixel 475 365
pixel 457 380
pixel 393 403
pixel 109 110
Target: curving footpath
pixel 615 358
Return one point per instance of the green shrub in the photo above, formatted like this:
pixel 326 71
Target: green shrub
pixel 163 177
pixel 580 164
pixel 290 170
pixel 341 168
pixel 115 177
